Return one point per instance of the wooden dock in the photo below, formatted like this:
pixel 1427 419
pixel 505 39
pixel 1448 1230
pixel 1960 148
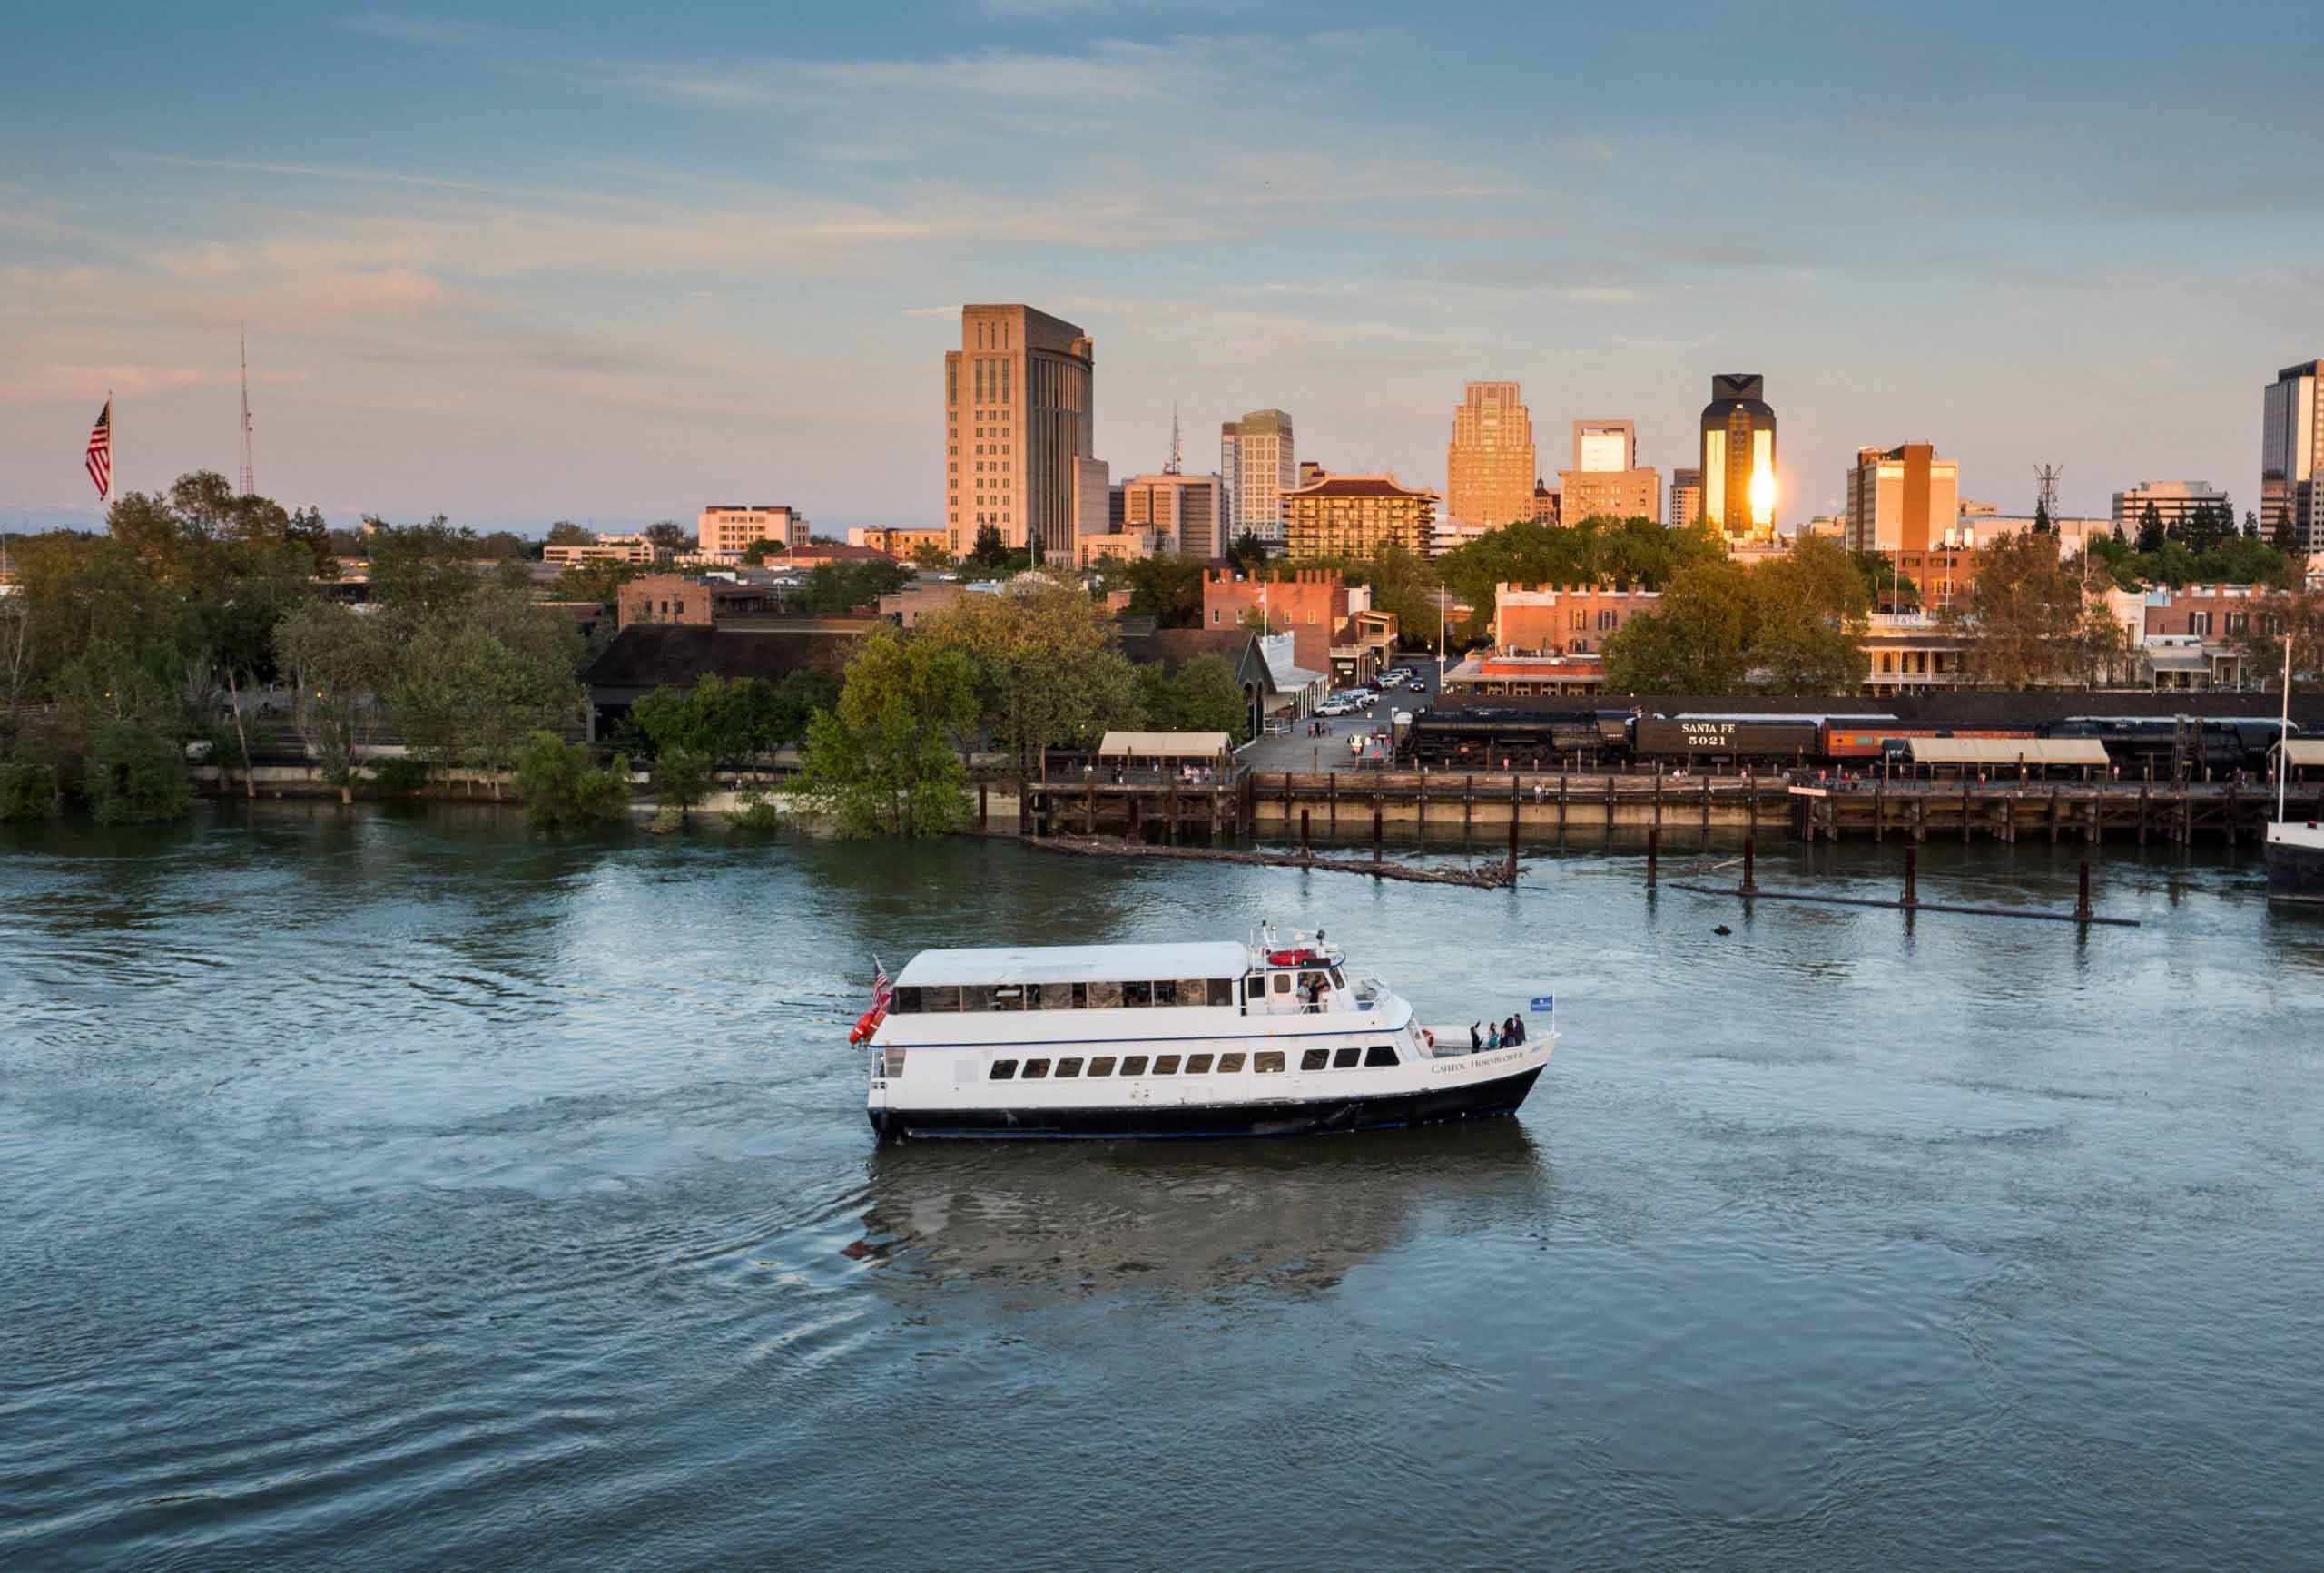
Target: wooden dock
pixel 2010 811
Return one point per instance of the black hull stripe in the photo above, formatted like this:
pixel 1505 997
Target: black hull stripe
pixel 1185 1121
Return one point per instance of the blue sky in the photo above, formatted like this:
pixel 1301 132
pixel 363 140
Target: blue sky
pixel 527 262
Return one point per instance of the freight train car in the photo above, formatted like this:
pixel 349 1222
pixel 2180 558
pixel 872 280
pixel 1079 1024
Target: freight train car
pixel 1482 737
pixel 1769 740
pixel 1851 739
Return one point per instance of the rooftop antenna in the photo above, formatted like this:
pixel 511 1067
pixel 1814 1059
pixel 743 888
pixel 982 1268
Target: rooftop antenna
pixel 250 485
pixel 1176 457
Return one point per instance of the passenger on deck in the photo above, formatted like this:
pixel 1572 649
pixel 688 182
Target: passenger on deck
pixel 1476 1038
pixel 1492 1037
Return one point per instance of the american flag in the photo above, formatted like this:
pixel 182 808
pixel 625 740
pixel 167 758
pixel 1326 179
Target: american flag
pixel 101 452
pixel 881 990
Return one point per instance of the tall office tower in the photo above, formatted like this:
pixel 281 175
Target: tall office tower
pixel 1601 445
pixel 1739 456
pixel 1018 430
pixel 1256 466
pixel 1358 516
pixel 1184 512
pixel 1902 499
pixel 2291 444
pixel 1686 497
pixel 1489 468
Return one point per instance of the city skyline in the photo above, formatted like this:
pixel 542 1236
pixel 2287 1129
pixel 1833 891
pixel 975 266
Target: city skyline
pixel 516 269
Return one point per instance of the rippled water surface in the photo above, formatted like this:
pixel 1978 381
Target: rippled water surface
pixel 392 1192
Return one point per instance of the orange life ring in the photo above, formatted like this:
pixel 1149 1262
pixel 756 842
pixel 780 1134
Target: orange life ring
pixel 866 1025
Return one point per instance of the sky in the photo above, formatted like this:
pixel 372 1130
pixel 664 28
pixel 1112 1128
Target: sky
pixel 609 263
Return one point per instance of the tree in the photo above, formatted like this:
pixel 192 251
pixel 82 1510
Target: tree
pixel 1246 553
pixel 1882 583
pixel 991 549
pixel 28 790
pixel 2029 621
pixel 339 661
pixel 929 554
pixel 2041 517
pixel 473 683
pixel 1046 669
pixel 887 760
pixel 2151 533
pixel 2250 526
pixel 136 775
pixel 835 589
pixel 1697 640
pixel 565 532
pixel 561 788
pixel 1807 617
pixel 732 722
pixel 2300 612
pixel 668 536
pixel 1168 589
pixel 598 580
pixel 422 571
pixel 1202 695
pixel 683 777
pixel 756 553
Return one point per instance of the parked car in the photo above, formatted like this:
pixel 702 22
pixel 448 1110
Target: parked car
pixel 1332 707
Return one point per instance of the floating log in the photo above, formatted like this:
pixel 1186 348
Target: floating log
pixel 1480 876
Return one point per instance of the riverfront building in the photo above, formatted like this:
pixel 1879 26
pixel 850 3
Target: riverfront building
pixel 1548 621
pixel 1256 466
pixel 1019 432
pixel 1490 466
pixel 732 527
pixel 1739 456
pixel 1357 515
pixel 2291 450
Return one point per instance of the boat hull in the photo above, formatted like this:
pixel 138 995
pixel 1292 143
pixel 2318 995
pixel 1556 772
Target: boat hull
pixel 1154 1121
pixel 2295 872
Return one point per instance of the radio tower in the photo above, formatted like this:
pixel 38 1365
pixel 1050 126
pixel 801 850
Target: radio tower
pixel 250 485
pixel 1176 458
pixel 2048 473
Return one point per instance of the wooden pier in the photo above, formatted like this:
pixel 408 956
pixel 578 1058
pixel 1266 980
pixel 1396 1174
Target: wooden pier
pixel 2010 811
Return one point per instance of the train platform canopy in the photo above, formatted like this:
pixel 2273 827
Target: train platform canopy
pixel 1164 744
pixel 2304 751
pixel 2007 750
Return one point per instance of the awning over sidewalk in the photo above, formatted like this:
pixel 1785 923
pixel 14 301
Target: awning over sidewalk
pixel 1164 744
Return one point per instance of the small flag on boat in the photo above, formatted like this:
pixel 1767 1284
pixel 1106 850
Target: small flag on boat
pixel 882 992
pixel 100 459
pixel 1544 1002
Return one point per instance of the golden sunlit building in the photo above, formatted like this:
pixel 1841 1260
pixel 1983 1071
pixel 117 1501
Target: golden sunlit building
pixel 1739 456
pixel 1356 515
pixel 1490 471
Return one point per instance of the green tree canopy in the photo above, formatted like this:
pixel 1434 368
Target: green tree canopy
pixel 1168 589
pixel 1047 672
pixel 835 589
pixel 887 760
pixel 1202 695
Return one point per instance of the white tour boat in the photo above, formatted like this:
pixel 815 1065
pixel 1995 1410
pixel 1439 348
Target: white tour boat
pixel 1202 1039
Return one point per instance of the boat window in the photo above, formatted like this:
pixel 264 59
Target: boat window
pixel 1002 1069
pixel 1344 1058
pixel 1065 1068
pixel 1008 996
pixel 1102 1065
pixel 1166 1065
pixel 1060 996
pixel 1197 1064
pixel 1222 991
pixel 1313 1059
pixel 1255 988
pixel 1266 1061
pixel 1138 993
pixel 975 997
pixel 905 1003
pixel 1102 995
pixel 1036 1069
pixel 941 1000
pixel 1283 983
pixel 1133 1064
pixel 1378 1055
pixel 1337 981
pixel 1166 992
pixel 1229 1063
pixel 1190 991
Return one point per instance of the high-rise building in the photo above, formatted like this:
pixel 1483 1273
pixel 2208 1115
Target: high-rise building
pixel 1310 472
pixel 1490 469
pixel 1613 494
pixel 1018 432
pixel 1183 512
pixel 2175 504
pixel 2291 450
pixel 1547 509
pixel 731 527
pixel 1605 445
pixel 1902 499
pixel 1739 456
pixel 1686 497
pixel 1356 516
pixel 1256 466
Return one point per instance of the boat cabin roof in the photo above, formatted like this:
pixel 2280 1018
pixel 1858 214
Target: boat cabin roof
pixel 1073 964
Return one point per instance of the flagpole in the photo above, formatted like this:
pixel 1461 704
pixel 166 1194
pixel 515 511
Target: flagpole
pixel 112 454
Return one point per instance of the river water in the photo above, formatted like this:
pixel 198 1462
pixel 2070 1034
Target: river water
pixel 413 1190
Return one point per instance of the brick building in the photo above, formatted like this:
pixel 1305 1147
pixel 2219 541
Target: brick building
pixel 1332 624
pixel 1563 622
